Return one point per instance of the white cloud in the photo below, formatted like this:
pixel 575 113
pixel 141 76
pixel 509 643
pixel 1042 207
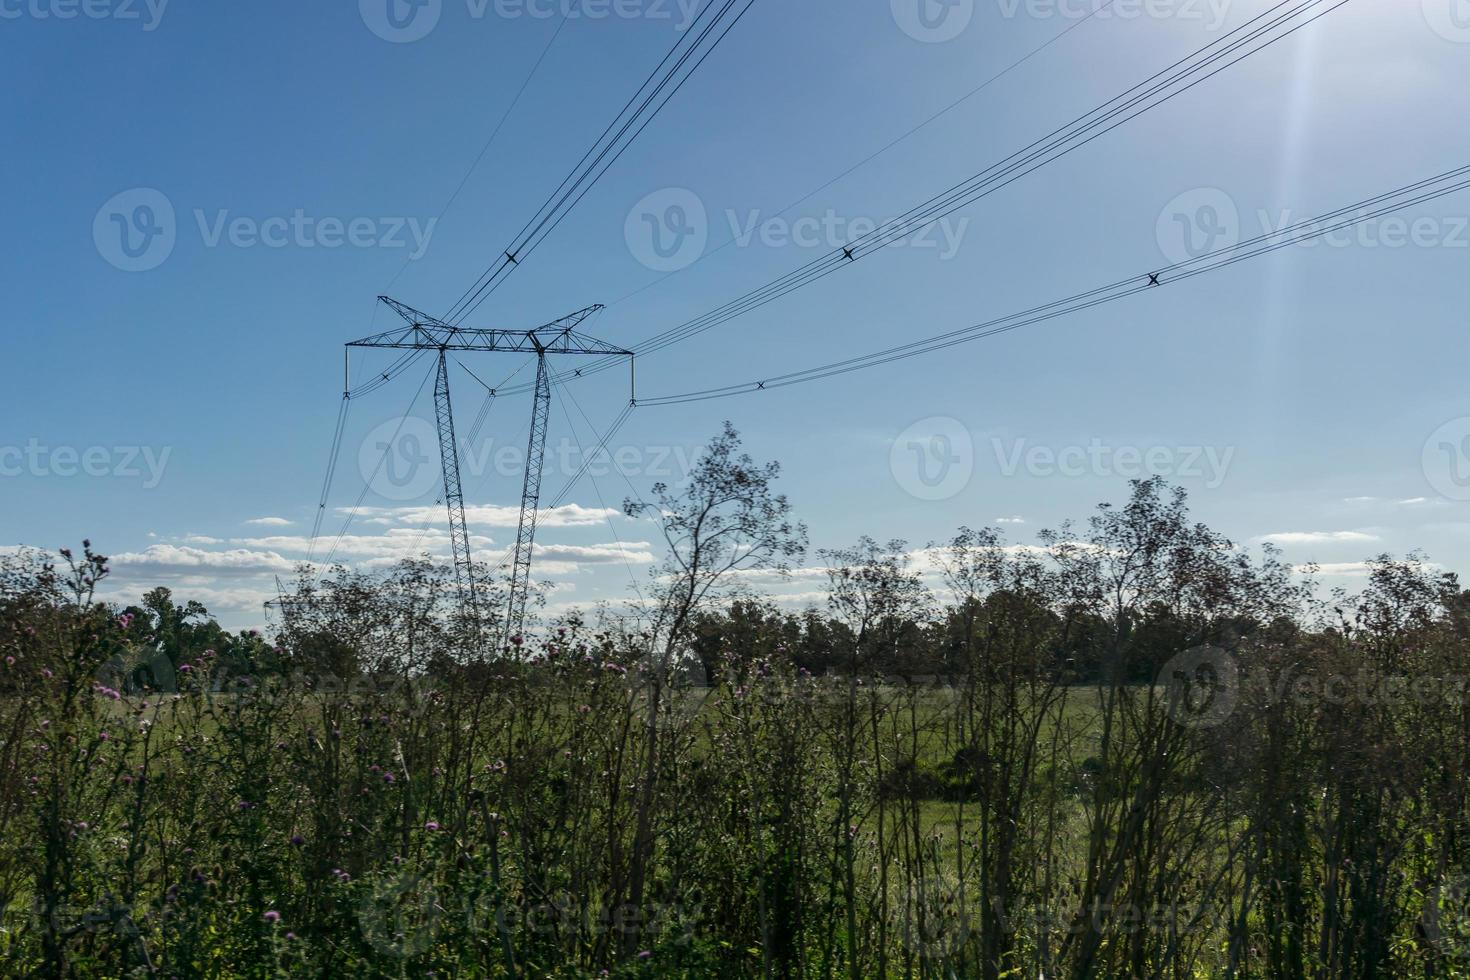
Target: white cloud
pixel 1318 537
pixel 485 515
pixel 1350 569
pixel 800 600
pixel 168 559
pixel 242 598
pixel 769 576
pixel 270 522
pixel 636 552
pixel 1406 502
pixel 1010 520
pixel 397 542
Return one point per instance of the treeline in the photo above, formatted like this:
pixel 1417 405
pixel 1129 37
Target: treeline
pixel 1155 755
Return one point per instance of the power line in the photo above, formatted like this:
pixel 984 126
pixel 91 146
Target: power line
pixel 1309 230
pixel 596 490
pixel 588 459
pixel 1261 32
pixel 321 507
pixel 610 146
pixel 997 76
pixel 494 133
pixel 367 483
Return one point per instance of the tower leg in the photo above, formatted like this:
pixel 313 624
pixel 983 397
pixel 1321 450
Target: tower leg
pixel 459 535
pixel 520 581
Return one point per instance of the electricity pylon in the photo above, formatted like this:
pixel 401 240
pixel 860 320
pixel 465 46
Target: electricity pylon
pixel 424 332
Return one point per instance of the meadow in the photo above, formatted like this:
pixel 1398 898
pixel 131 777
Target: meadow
pixel 1132 751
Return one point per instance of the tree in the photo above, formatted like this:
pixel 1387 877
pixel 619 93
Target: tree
pixel 876 592
pixel 727 519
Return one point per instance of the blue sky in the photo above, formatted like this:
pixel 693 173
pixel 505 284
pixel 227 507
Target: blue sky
pixel 162 402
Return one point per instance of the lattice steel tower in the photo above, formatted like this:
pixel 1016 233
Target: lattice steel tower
pixel 424 332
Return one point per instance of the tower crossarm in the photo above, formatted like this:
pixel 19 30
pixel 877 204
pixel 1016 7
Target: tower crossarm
pixel 424 332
